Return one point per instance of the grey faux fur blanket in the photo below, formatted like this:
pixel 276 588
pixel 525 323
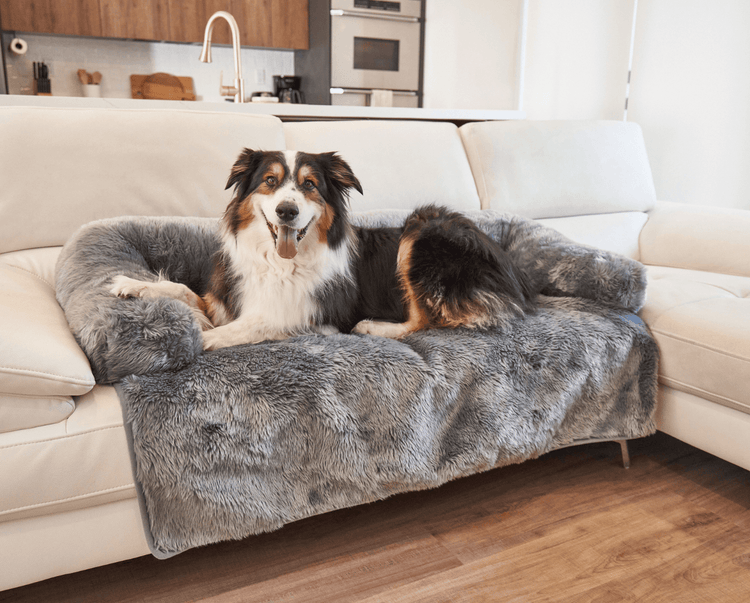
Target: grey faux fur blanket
pixel 245 439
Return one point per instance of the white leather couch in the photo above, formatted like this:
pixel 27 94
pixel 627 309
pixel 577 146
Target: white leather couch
pixel 67 499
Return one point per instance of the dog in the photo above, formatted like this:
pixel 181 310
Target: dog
pixel 291 262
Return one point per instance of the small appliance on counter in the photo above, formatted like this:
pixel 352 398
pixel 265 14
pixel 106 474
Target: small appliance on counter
pixel 287 88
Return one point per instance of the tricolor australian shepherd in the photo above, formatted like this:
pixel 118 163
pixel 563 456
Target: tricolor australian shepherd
pixel 291 262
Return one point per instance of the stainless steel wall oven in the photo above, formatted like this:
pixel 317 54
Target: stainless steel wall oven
pixel 363 52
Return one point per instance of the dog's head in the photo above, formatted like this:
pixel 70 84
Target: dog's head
pixel 297 195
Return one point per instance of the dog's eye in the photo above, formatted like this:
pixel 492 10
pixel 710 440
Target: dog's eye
pixel 308 184
pixel 271 181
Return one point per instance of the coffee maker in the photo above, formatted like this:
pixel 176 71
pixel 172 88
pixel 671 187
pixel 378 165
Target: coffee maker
pixel 287 88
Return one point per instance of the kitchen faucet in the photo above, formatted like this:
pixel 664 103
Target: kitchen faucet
pixel 238 90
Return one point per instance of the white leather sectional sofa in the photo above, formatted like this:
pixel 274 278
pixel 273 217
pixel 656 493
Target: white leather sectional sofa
pixel 67 498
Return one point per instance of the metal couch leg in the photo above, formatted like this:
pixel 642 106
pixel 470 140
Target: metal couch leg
pixel 625 454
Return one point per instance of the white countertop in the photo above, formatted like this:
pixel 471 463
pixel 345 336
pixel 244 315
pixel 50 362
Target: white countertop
pixel 281 110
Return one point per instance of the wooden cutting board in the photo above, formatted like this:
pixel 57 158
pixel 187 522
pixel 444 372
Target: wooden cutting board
pixel 162 86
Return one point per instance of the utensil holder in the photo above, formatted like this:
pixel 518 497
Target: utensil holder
pixel 92 90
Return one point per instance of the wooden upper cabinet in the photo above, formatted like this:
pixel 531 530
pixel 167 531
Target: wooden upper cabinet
pixel 267 23
pixel 289 24
pixel 187 21
pixel 254 20
pixel 135 19
pixel 73 18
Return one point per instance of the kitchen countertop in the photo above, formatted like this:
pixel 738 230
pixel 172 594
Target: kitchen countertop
pixel 286 112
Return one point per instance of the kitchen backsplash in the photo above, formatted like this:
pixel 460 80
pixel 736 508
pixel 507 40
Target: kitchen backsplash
pixel 117 60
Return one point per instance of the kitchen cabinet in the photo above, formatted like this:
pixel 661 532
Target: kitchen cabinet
pixel 188 21
pixel 74 17
pixel 135 19
pixel 289 22
pixel 268 23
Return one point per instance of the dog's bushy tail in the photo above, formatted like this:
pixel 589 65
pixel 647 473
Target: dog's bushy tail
pixel 457 274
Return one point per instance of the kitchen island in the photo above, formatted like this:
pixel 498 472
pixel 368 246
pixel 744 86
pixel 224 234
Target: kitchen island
pixel 284 111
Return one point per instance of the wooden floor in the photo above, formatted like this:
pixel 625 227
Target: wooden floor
pixel 572 526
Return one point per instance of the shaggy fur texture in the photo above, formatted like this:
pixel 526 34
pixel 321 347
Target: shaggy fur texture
pixel 245 439
pixel 135 336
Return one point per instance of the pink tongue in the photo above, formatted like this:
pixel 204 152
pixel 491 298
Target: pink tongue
pixel 286 242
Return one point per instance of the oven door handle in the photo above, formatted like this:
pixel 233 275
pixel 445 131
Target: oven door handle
pixel 337 12
pixel 369 91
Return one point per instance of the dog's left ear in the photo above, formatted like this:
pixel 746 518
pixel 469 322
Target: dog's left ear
pixel 246 164
pixel 339 172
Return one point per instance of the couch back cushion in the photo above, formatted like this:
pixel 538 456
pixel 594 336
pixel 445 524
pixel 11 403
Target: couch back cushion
pixel 552 169
pixel 61 168
pixel 401 164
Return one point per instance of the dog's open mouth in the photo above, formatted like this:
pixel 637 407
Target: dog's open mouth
pixel 287 240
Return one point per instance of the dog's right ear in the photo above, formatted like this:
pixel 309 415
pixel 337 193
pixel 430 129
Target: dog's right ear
pixel 245 166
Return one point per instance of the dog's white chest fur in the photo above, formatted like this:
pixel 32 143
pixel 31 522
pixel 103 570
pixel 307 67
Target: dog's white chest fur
pixel 277 296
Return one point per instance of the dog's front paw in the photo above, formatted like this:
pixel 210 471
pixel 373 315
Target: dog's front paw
pixel 124 286
pixel 212 340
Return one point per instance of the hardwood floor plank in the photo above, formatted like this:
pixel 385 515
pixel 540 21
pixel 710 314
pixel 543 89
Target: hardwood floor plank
pixel 523 520
pixel 350 577
pixel 709 573
pixel 572 556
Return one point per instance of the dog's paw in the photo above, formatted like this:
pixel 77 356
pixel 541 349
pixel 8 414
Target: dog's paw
pixel 392 330
pixel 124 286
pixel 211 341
pixel 363 327
pixel 221 337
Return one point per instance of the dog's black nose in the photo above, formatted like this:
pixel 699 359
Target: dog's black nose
pixel 287 211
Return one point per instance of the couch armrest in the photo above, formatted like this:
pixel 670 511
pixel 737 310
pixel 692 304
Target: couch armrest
pixel 39 357
pixel 697 237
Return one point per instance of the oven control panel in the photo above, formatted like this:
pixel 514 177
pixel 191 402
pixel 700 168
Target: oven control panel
pixel 387 5
pixel 378 8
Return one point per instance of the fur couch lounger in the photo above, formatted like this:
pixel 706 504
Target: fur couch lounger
pixel 68 498
pixel 245 439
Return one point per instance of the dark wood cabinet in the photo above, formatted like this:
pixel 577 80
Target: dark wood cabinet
pixel 265 23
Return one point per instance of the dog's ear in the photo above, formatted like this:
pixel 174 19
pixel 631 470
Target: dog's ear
pixel 339 173
pixel 245 166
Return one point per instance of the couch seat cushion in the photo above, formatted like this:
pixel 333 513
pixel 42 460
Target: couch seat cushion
pixel 41 365
pixel 23 412
pixel 79 462
pixel 701 321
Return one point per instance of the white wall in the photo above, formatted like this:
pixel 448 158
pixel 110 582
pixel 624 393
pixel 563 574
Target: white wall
pixel 577 58
pixel 470 50
pixel 690 88
pixel 691 94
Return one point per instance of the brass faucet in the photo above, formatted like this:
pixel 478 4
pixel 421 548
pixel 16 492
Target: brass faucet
pixel 238 90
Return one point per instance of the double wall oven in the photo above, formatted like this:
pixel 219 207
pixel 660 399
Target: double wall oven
pixel 363 52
